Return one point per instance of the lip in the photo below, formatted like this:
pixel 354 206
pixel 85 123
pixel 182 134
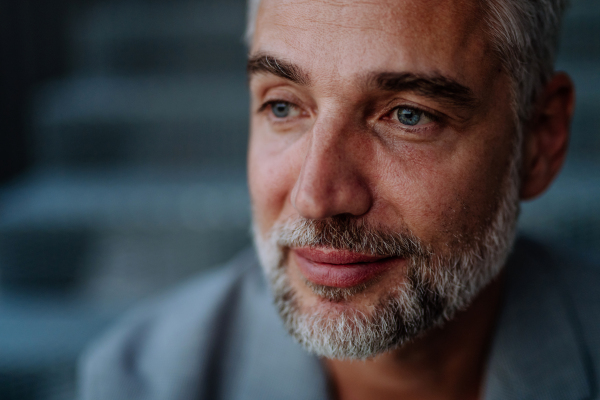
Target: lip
pixel 340 268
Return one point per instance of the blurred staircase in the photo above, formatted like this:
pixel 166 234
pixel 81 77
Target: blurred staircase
pixel 139 179
pixel 146 137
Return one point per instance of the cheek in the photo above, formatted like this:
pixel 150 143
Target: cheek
pixel 445 196
pixel 271 178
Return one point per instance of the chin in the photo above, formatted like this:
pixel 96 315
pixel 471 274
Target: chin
pixel 390 308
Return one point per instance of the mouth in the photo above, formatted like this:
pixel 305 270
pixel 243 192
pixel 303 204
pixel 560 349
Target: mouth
pixel 340 268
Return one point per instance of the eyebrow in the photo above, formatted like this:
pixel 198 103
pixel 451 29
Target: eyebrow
pixel 266 64
pixel 437 87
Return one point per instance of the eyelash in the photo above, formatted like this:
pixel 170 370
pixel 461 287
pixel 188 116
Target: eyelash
pixel 426 113
pixel 293 107
pixel 270 103
pixel 433 117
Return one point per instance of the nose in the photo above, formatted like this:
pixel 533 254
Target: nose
pixel 331 180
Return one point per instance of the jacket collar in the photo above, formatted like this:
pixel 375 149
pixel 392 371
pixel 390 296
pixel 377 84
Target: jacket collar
pixel 276 367
pixel 538 351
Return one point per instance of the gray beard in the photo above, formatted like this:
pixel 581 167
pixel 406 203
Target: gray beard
pixel 438 284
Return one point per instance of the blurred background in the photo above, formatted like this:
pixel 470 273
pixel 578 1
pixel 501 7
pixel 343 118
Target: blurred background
pixel 122 149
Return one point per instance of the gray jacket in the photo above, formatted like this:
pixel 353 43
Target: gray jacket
pixel 219 337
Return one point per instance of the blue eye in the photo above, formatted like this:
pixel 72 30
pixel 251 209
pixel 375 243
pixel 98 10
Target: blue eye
pixel 409 116
pixel 280 109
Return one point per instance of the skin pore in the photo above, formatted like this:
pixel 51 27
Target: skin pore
pixel 336 88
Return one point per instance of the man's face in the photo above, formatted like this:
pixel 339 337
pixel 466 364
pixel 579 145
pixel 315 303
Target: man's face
pixel 381 162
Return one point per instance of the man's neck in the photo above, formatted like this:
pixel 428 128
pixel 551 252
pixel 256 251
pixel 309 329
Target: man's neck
pixel 445 363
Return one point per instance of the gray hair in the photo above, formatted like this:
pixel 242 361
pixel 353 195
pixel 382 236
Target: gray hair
pixel 524 34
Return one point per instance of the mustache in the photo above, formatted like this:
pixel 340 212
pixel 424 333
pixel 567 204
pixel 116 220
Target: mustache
pixel 348 233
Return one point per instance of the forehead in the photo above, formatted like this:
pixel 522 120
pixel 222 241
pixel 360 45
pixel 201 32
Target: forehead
pixel 343 38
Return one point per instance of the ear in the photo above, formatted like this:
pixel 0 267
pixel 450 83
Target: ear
pixel 547 136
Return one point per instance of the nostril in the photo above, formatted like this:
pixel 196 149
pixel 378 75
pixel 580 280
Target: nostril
pixel 310 204
pixel 342 197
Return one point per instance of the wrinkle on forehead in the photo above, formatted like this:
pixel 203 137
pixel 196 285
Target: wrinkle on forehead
pixel 386 16
pixel 338 39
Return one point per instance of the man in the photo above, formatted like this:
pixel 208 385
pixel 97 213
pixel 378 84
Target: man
pixel 391 143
